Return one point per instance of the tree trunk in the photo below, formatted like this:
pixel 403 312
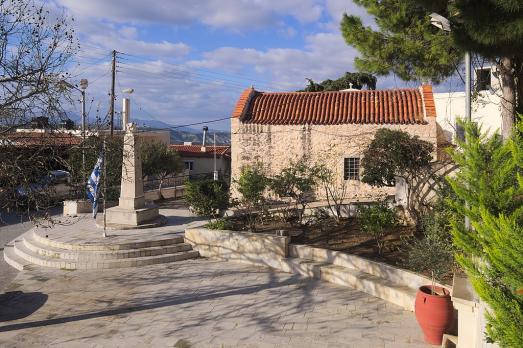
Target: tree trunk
pixel 518 75
pixel 508 99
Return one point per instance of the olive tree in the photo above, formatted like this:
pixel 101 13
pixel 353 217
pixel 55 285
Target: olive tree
pixel 394 154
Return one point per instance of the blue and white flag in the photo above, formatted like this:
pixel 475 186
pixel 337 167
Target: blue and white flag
pixel 93 184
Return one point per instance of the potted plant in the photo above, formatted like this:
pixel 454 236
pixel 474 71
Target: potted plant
pixel 433 253
pixel 434 311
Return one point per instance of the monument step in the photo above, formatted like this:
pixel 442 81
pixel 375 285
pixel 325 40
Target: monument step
pixel 106 244
pixel 15 261
pixel 96 255
pixel 71 264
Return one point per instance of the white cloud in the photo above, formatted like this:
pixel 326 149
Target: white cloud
pixel 122 44
pixel 231 14
pixel 325 55
pixel 207 87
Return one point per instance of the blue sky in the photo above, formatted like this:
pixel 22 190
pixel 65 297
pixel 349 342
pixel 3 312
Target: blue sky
pixel 189 60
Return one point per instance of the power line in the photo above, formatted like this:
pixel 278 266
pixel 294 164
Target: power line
pixel 176 75
pixel 240 77
pixel 203 122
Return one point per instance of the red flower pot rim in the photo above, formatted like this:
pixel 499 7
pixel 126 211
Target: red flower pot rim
pixel 439 291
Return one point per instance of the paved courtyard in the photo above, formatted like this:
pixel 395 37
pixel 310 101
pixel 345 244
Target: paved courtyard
pixel 195 303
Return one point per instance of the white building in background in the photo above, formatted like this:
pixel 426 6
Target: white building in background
pixel 486 104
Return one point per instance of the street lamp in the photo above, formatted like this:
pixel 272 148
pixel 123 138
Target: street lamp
pixel 444 24
pixel 83 86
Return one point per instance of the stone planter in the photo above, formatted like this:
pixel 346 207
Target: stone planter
pixel 75 207
pixel 83 206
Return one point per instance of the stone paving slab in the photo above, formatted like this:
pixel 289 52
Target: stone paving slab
pixel 196 303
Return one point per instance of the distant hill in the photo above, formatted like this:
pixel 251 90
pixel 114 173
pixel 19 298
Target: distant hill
pixel 178 137
pixel 184 134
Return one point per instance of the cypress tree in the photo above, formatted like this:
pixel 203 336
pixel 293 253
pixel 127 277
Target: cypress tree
pixel 490 182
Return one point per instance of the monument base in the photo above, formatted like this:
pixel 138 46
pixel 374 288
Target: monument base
pixel 137 218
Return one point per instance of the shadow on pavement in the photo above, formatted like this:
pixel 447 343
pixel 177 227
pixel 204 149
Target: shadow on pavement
pixel 17 304
pixel 148 305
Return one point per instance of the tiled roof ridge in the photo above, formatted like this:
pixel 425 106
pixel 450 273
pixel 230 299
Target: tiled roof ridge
pixel 341 91
pixel 386 106
pixel 196 148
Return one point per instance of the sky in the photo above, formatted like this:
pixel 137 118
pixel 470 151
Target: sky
pixel 189 60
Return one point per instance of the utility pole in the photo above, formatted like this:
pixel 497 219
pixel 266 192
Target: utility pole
pixel 83 86
pixel 215 173
pixel 113 79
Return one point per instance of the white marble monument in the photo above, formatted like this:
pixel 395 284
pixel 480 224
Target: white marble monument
pixel 132 212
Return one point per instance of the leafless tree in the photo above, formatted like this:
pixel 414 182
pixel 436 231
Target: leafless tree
pixel 36 47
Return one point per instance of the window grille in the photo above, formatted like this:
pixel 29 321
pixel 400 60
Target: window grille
pixel 351 168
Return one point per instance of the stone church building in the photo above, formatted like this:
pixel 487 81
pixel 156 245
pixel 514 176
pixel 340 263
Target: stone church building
pixel 334 128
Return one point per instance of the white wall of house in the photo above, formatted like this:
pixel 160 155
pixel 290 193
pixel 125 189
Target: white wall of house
pixel 205 165
pixel 486 108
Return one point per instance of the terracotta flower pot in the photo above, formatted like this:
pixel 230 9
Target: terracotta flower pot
pixel 434 312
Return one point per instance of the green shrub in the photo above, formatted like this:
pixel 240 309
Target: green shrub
pixel 207 197
pixel 296 183
pixel 376 219
pixel 219 224
pixel 251 185
pixel 434 252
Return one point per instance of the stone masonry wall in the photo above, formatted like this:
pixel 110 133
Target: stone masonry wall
pixel 276 145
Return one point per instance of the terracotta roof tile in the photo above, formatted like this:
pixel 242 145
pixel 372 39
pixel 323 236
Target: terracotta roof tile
pixel 42 139
pixel 398 106
pixel 196 150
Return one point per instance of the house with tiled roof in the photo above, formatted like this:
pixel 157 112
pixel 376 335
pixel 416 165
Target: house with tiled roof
pixel 330 127
pixel 199 159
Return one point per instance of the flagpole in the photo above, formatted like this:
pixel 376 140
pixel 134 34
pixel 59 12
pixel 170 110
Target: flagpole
pixel 105 188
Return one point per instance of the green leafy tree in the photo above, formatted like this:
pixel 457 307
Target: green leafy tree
pixel 376 220
pixel 404 42
pixel 396 154
pixel 159 161
pixel 297 182
pixel 92 147
pixel 251 185
pixel 349 80
pixel 490 182
pixel 207 197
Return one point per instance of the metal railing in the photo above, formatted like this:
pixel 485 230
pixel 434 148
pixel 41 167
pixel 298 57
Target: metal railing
pixel 176 180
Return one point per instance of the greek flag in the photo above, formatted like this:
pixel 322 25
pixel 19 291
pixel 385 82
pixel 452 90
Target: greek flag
pixel 93 184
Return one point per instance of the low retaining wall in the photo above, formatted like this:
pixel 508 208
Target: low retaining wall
pixel 378 269
pixel 254 248
pixel 167 192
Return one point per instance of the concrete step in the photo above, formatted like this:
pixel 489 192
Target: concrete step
pixel 39 236
pixel 304 267
pixel 402 296
pixel 96 255
pixel 385 289
pixel 70 264
pixel 378 269
pixel 14 260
